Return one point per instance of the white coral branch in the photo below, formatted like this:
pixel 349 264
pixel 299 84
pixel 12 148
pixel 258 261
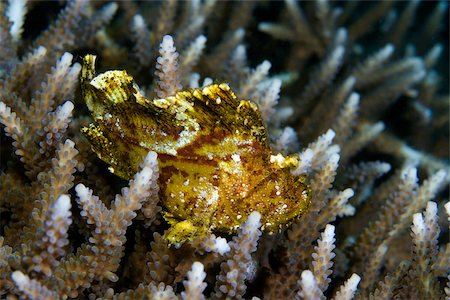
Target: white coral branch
pixel 249 86
pixel 211 243
pixel 309 288
pixel 366 134
pixel 322 182
pixel 32 288
pixel 58 122
pixel 372 64
pixel 317 153
pixel 168 82
pixel 269 99
pixel 91 207
pixel 13 125
pixel 16 12
pixel 52 237
pixel 60 84
pixel 287 142
pixel 348 289
pixel 194 286
pixel 338 206
pixel 240 266
pixel 322 258
pixel 345 121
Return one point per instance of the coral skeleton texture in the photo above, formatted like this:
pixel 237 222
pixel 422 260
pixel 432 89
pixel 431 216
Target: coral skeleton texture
pixel 355 91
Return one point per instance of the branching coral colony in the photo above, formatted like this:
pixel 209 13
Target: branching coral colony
pixel 356 101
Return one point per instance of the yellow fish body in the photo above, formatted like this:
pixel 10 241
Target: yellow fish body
pixel 216 166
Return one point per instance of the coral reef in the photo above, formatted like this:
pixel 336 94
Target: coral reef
pixel 350 89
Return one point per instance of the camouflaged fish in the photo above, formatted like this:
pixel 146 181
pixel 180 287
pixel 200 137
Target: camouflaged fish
pixel 216 166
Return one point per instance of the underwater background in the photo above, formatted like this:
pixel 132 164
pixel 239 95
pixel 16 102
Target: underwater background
pixel 355 91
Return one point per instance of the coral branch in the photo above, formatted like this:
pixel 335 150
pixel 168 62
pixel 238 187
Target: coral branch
pixel 348 290
pixel 240 266
pixel 167 69
pixel 194 286
pixel 321 265
pixel 309 288
pixel 32 288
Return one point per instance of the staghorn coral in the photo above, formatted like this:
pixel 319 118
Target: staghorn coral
pixel 352 89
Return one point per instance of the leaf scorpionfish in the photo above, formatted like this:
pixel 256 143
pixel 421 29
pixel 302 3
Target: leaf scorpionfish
pixel 215 162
